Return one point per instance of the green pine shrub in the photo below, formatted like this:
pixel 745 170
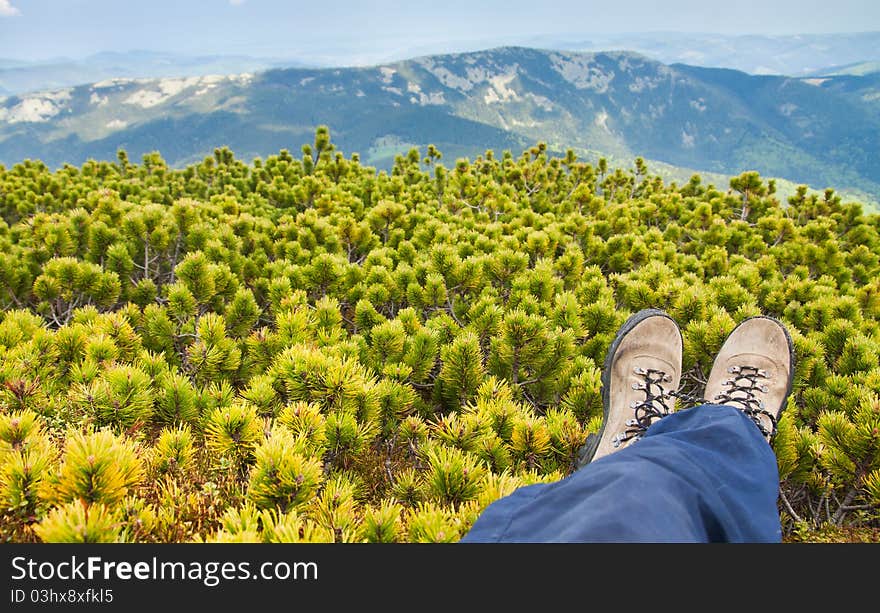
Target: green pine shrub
pixel 177 399
pixel 335 508
pixel 27 459
pixel 530 442
pixel 462 370
pixel 382 523
pixel 78 522
pixel 453 476
pixel 433 523
pixel 294 528
pixel 174 451
pixel 408 487
pixel 304 349
pixel 96 468
pixel 232 433
pixel 305 421
pixel 239 525
pixel 284 476
pixel 121 396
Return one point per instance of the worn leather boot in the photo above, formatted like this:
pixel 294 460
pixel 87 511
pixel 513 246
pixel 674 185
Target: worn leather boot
pixel 753 371
pixel 642 370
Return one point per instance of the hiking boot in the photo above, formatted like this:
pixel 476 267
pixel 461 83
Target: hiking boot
pixel 642 369
pixel 753 371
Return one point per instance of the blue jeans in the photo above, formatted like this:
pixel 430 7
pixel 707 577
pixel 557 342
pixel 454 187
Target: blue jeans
pixel 702 475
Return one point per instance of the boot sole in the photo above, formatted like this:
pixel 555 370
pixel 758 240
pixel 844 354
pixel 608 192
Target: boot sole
pixel 588 449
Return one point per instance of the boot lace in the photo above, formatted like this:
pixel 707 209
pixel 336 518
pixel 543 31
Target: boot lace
pixel 649 410
pixel 747 380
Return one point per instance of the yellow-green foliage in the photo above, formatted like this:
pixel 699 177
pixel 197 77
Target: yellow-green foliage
pixel 233 433
pixel 294 528
pixel 382 524
pixel 27 457
pixel 284 475
pixel 79 522
pixel 305 349
pixel 454 476
pixel 173 450
pixel 19 430
pixel 97 467
pixel 120 396
pixel 433 523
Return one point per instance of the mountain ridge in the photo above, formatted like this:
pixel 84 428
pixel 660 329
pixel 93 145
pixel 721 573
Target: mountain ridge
pixel 795 55
pixel 618 103
pixel 21 77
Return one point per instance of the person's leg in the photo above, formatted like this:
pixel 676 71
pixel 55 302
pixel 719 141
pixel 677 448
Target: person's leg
pixel 704 474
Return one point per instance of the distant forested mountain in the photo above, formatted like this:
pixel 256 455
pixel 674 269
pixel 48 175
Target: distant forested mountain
pixel 822 131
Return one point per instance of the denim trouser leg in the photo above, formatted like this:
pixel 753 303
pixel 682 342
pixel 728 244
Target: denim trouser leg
pixel 704 474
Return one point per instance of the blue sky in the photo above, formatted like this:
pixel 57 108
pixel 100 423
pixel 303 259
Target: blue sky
pixel 40 29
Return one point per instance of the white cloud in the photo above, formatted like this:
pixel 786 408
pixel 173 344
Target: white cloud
pixel 232 2
pixel 7 10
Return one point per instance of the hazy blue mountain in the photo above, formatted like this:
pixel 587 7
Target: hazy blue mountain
pixel 857 69
pixel 17 77
pixel 10 63
pixel 814 131
pixel 861 89
pixel 793 55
